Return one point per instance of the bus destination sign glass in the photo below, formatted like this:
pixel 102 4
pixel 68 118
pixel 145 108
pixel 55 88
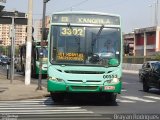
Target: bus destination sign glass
pixel 86 19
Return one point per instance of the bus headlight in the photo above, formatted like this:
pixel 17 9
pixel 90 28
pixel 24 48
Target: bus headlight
pixel 55 79
pixel 112 81
pixel 115 80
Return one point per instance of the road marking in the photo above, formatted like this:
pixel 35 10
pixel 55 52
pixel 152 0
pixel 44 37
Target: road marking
pixel 42 112
pixel 19 102
pixel 56 108
pixel 39 107
pixel 152 97
pixel 123 90
pixel 125 101
pixel 137 98
pixel 125 83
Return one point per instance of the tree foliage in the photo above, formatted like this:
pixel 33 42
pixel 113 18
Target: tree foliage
pixel 157 56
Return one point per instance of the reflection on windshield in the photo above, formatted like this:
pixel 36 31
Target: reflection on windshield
pixel 85 45
pixel 96 37
pixel 76 33
pixel 156 67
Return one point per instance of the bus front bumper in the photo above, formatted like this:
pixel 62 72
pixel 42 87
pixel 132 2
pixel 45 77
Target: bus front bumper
pixel 54 86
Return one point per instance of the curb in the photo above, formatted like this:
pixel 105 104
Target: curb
pixel 26 98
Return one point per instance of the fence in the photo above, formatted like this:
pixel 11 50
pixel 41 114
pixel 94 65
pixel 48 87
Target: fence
pixel 138 59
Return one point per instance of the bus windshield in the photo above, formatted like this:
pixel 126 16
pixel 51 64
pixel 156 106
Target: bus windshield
pixel 44 50
pixel 84 45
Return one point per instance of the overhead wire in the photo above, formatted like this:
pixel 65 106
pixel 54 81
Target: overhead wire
pixel 72 6
pixel 75 5
pixel 82 2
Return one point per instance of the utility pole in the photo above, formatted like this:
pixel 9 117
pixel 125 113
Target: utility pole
pixel 156 13
pixel 43 28
pixel 29 44
pixel 12 50
pixel 13 45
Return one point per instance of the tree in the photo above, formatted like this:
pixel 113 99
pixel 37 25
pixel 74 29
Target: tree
pixel 157 56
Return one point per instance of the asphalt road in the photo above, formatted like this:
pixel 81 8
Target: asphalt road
pixel 132 101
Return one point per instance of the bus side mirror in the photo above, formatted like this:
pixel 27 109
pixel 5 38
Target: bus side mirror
pixel 45 34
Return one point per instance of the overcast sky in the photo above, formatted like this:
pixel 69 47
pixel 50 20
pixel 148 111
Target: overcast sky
pixel 134 13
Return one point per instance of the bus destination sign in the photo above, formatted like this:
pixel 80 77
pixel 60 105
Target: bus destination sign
pixel 86 19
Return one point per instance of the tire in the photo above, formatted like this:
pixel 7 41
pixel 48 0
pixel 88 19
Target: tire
pixel 57 97
pixel 145 86
pixel 111 97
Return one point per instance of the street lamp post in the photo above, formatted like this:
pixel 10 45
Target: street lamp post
pixel 13 46
pixel 155 6
pixel 43 27
pixel 156 13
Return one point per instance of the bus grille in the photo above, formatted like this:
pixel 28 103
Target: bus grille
pixel 87 81
pixel 84 87
pixel 84 72
pixel 79 81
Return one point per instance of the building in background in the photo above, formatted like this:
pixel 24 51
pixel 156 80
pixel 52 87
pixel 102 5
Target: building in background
pixel 20 30
pixel 20 34
pixel 4 34
pixel 5 37
pixel 146 41
pixel 128 43
pixel 38 27
pixel 6 25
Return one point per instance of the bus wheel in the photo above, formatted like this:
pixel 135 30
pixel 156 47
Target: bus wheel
pixel 111 97
pixel 57 97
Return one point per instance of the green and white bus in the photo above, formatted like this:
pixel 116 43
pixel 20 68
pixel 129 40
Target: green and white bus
pixel 78 59
pixel 36 49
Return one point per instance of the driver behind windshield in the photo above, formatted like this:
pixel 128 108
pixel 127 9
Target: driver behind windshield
pixel 107 51
pixel 108 47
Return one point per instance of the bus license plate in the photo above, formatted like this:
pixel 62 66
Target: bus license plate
pixel 109 87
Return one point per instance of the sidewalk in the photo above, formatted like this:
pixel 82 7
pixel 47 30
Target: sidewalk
pixel 18 90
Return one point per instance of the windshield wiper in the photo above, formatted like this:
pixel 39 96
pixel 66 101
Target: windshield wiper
pixel 97 36
pixel 75 37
